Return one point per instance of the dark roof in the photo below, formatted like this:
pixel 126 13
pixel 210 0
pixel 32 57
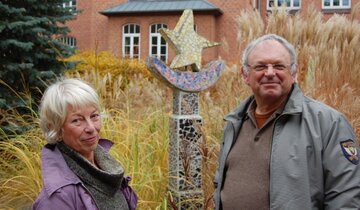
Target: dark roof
pixel 161 6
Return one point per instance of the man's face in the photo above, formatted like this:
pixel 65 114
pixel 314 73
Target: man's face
pixel 269 83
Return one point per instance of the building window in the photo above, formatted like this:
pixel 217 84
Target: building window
pixel 289 4
pixel 336 4
pixel 68 40
pixel 70 4
pixel 158 45
pixel 131 41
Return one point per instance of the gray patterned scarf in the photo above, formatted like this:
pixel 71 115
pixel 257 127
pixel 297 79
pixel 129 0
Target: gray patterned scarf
pixel 103 184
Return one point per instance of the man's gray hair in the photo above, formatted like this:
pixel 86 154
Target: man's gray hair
pixel 266 37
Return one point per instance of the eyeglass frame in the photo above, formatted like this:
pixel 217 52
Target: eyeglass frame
pixel 263 67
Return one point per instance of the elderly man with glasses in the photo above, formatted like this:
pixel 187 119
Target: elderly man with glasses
pixel 281 149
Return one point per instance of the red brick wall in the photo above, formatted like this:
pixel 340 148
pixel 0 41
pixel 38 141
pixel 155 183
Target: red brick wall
pixel 89 27
pixel 95 31
pixel 227 27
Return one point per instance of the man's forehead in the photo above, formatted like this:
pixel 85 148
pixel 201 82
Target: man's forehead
pixel 269 49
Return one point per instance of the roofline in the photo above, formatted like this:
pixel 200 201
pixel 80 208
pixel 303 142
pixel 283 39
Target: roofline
pixel 215 12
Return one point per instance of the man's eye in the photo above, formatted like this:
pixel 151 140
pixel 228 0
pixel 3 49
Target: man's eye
pixel 260 67
pixel 279 67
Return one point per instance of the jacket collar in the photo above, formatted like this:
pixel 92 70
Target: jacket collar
pixel 293 105
pixel 55 172
pixel 295 101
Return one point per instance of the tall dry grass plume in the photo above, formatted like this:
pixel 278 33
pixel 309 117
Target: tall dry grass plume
pixel 328 54
pixel 137 107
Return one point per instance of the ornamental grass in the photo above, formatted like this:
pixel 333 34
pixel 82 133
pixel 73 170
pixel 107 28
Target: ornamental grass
pixel 137 107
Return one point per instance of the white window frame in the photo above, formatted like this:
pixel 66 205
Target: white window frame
pixel 331 6
pixel 132 46
pixel 70 4
pixel 159 39
pixel 68 40
pixel 291 7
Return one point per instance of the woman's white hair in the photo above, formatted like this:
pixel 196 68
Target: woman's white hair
pixel 57 98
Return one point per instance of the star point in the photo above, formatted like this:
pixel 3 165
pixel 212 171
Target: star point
pixel 187 44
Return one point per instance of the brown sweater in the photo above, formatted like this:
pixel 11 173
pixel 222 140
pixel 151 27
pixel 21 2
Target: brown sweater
pixel 246 184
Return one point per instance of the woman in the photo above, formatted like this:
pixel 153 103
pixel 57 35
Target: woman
pixel 77 171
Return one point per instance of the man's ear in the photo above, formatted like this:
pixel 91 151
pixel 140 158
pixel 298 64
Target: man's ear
pixel 245 75
pixel 294 73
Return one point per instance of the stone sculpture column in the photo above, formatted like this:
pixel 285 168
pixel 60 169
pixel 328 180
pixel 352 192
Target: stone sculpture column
pixel 185 160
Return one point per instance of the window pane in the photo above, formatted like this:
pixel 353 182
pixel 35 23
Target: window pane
pixel 163 42
pixel 154 50
pixel 163 50
pixel 345 2
pixel 136 50
pixel 127 50
pixel 163 58
pixel 271 3
pixel 136 40
pixel 127 41
pixel 131 29
pixel 137 29
pixel 326 3
pixel 336 2
pixel 296 3
pixel 154 40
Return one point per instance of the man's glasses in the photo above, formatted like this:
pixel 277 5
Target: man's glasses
pixel 262 67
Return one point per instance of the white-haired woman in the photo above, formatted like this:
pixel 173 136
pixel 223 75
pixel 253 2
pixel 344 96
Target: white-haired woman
pixel 77 171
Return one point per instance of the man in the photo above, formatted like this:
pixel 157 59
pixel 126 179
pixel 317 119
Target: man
pixel 281 149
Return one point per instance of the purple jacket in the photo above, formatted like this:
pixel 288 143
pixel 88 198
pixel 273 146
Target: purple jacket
pixel 62 188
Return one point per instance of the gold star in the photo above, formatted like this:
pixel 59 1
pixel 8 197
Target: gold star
pixel 187 43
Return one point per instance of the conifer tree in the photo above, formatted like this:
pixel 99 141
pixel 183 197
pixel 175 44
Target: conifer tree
pixel 30 50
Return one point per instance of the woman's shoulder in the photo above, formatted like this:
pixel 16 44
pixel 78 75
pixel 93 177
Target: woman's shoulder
pixel 72 196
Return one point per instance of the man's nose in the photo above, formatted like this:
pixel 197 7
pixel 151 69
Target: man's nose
pixel 270 71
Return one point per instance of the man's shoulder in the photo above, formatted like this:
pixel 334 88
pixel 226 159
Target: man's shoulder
pixel 319 106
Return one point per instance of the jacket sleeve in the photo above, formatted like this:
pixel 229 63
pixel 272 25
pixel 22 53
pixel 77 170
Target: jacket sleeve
pixel 341 166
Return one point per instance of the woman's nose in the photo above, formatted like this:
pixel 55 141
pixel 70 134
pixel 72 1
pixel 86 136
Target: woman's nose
pixel 89 126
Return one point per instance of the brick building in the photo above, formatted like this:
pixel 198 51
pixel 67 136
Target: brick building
pixel 128 28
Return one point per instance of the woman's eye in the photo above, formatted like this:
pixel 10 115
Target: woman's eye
pixel 95 116
pixel 75 121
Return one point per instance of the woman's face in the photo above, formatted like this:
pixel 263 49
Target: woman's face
pixel 80 130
